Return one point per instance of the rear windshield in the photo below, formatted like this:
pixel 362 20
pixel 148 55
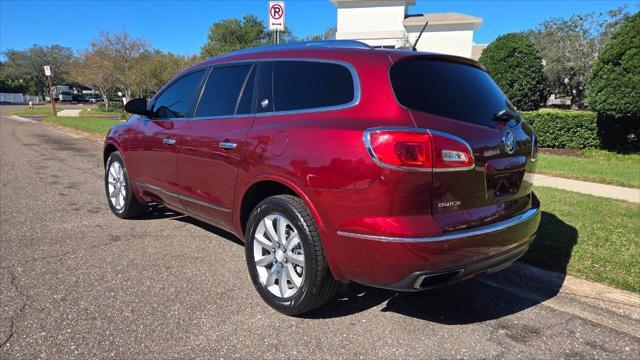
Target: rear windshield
pixel 449 89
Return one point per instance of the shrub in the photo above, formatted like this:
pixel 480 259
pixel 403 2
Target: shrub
pixel 614 84
pixel 564 129
pixel 114 106
pixel 619 133
pixel 614 88
pixel 515 64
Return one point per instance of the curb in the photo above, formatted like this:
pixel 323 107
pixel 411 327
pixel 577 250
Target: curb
pixel 92 139
pixel 608 306
pixel 18 118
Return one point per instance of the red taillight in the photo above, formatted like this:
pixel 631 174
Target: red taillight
pixel 401 148
pixel 418 149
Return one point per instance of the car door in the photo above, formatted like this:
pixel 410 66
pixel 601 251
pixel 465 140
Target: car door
pixel 213 142
pixel 169 110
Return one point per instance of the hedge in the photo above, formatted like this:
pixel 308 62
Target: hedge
pixel 564 129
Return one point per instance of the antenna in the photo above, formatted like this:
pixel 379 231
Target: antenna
pixel 420 35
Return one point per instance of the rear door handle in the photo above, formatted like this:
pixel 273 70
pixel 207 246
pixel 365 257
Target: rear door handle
pixel 169 141
pixel 227 145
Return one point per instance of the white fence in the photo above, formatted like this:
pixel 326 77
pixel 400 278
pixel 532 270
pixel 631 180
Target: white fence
pixel 17 98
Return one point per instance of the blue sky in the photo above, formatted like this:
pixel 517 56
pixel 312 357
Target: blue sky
pixel 181 26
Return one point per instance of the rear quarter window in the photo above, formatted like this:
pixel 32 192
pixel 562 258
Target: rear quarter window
pixel 449 89
pixel 299 85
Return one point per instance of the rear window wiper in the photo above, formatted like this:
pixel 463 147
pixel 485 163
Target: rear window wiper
pixel 505 115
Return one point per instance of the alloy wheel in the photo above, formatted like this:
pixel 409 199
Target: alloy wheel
pixel 117 185
pixel 278 256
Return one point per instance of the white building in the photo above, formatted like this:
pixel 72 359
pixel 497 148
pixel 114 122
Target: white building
pixel 388 24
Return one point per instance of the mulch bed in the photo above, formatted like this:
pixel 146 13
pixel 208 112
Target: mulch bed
pixel 565 152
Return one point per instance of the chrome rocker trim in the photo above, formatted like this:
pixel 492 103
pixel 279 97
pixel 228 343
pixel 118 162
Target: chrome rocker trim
pixel 480 230
pixel 182 197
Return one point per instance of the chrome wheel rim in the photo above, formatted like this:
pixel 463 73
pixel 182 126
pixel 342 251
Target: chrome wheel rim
pixel 116 185
pixel 278 256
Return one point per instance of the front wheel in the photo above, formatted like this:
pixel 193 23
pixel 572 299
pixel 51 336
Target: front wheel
pixel 122 200
pixel 285 257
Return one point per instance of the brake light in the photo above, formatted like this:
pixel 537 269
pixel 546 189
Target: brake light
pixel 418 149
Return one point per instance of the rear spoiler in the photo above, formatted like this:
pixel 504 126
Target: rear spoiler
pixel 402 55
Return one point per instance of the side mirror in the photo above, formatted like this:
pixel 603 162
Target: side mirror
pixel 137 106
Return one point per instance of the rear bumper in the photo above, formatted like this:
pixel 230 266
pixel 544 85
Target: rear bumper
pixel 418 263
pixel 423 280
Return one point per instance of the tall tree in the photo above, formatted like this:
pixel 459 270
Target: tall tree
pixel 153 69
pixel 26 67
pixel 516 66
pixel 94 69
pixel 329 34
pixel 235 34
pixel 569 48
pixel 122 52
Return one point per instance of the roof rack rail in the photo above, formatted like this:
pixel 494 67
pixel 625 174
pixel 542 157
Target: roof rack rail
pixel 349 44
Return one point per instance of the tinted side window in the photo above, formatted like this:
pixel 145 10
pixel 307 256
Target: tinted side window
pixel 222 91
pixel 246 98
pixel 176 101
pixel 307 85
pixel 263 93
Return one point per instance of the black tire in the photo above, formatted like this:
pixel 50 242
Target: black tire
pixel 318 285
pixel 132 207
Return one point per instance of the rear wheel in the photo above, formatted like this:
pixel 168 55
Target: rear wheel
pixel 122 201
pixel 285 257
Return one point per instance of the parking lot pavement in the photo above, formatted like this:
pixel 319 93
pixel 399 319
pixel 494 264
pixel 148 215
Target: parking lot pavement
pixel 77 282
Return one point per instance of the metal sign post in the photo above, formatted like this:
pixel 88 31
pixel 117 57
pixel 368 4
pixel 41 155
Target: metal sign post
pixel 47 73
pixel 276 19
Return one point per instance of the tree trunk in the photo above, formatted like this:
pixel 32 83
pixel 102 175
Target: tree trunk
pixel 105 98
pixel 127 93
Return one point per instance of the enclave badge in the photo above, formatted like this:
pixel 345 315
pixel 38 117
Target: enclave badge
pixel 509 142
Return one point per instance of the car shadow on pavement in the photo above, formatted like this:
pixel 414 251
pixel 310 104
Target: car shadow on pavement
pixel 485 298
pixel 210 228
pixel 158 212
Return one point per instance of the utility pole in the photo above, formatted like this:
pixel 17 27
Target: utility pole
pixel 47 73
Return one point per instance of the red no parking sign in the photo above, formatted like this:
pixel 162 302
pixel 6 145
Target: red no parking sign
pixel 276 15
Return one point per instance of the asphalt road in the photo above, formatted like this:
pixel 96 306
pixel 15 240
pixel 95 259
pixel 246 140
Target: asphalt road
pixel 76 282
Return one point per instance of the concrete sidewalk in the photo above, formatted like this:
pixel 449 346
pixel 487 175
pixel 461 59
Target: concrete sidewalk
pixel 584 187
pixel 69 112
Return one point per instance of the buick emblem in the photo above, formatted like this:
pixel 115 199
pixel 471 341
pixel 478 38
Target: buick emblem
pixel 509 142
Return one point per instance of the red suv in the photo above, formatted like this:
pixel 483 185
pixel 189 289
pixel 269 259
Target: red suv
pixel 336 163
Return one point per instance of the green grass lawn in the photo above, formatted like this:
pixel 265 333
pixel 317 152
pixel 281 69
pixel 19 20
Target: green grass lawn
pixel 590 237
pixel 594 165
pixel 35 111
pixel 98 126
pixel 93 112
